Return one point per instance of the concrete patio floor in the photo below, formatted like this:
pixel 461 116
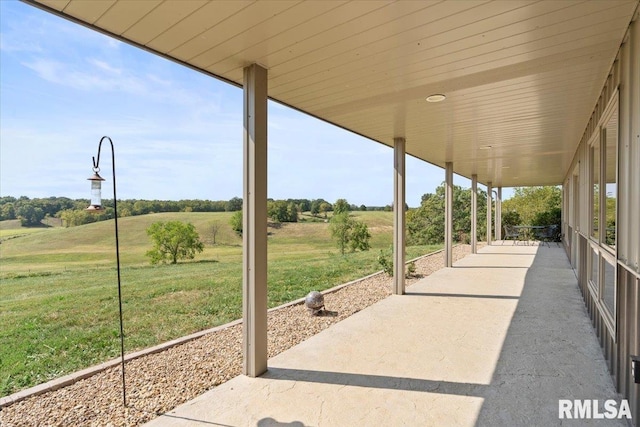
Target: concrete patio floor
pixel 496 340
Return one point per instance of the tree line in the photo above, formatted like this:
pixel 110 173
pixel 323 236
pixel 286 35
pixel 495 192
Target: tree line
pixel 533 206
pixel 529 206
pixel 425 224
pixel 72 212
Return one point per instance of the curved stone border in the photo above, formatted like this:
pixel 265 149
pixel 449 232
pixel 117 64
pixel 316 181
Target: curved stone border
pixel 88 372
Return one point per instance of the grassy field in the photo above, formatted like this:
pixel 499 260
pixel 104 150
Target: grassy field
pixel 58 286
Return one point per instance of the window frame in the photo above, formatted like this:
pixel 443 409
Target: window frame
pixel 609 313
pixel 612 107
pixel 595 141
pixel 600 252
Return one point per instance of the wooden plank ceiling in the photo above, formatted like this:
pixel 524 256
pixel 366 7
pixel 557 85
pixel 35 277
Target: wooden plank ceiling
pixel 521 77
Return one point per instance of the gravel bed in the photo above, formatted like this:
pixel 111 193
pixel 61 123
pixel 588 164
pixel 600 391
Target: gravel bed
pixel 159 382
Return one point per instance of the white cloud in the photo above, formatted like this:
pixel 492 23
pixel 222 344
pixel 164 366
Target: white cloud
pixel 10 44
pixel 91 76
pixel 46 69
pixel 105 66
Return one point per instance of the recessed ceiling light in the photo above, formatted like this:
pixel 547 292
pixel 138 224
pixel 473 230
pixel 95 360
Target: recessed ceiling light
pixel 436 97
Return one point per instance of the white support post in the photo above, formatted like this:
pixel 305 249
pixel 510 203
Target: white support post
pixel 254 228
pixel 499 215
pixel 489 205
pixel 398 215
pixel 448 215
pixel 474 214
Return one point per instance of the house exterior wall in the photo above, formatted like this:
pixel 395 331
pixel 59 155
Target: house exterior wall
pixel 610 271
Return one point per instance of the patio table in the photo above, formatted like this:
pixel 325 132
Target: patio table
pixel 528 231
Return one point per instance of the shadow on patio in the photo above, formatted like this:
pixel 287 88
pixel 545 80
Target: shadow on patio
pixel 474 345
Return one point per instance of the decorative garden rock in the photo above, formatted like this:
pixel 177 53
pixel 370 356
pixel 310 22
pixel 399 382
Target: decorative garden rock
pixel 314 301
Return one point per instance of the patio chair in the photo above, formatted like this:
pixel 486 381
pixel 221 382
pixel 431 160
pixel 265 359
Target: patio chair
pixel 510 232
pixel 556 234
pixel 548 234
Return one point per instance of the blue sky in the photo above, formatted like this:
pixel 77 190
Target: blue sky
pixel 177 133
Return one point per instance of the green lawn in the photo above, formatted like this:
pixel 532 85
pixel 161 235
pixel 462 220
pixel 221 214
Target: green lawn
pixel 58 287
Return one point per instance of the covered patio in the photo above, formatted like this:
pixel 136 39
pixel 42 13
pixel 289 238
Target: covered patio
pixel 496 340
pixel 505 93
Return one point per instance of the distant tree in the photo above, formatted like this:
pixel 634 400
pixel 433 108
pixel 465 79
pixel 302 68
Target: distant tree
pixel 75 217
pixel 511 217
pixel 30 215
pixel 141 207
pixel 340 227
pixel 340 206
pixel 315 208
pixel 349 233
pixel 425 225
pixel 363 208
pixel 277 210
pixel 236 222
pixel 172 241
pixel 123 212
pixel 234 204
pixel 214 229
pixel 218 206
pixel 303 205
pixel 536 205
pixel 292 212
pixel 282 211
pixel 7 199
pixel 8 211
pixel 552 216
pixel 359 239
pixel 324 208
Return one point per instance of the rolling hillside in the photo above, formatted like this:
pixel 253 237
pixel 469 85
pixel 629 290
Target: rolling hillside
pixel 58 287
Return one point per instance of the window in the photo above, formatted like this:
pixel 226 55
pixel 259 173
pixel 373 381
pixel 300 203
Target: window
pixel 594 273
pixel 610 139
pixel 603 188
pixel 603 150
pixel 594 157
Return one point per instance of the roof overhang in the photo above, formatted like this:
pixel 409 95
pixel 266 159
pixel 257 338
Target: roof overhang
pixel 521 78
